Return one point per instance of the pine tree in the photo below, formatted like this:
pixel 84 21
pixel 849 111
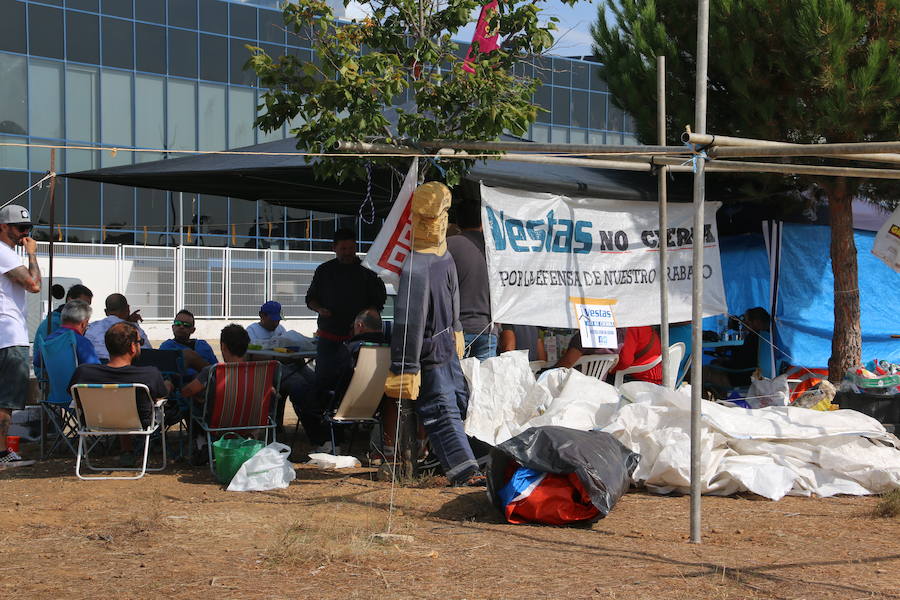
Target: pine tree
pixel 802 71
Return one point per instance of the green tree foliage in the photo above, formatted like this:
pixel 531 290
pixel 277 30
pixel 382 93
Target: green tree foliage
pixel 365 67
pixel 802 71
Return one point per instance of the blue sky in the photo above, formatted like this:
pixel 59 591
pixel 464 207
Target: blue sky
pixel 573 37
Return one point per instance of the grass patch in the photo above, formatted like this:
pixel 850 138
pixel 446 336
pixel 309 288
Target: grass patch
pixel 888 506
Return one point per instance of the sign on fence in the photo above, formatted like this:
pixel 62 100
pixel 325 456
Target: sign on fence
pixel 544 249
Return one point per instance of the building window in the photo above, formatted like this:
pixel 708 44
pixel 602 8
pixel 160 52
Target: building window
pixel 271 26
pixel 239 57
pixel 118 43
pixel 182 53
pixel 82 102
pixel 183 13
pixel 212 117
pixel 13 110
pixel 118 213
pixel 12 157
pixel 598 111
pixel 241 112
pixel 150 10
pixel 243 218
pixel 182 113
pixel 153 212
pixel 243 21
pixel 543 97
pixel 579 114
pixel 83 212
pixel 116 104
pixel 118 8
pixel 214 58
pixel 12 26
pixel 150 128
pixel 214 16
pixel 83 38
pixel 151 48
pixel 45 100
pixel 562 108
pixel 45 31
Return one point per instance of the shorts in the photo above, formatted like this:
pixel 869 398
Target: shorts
pixel 14 366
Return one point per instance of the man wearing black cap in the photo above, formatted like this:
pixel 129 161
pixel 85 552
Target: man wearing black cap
pixel 15 281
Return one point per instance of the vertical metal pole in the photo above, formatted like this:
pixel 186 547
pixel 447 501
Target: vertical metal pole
pixel 697 274
pixel 663 220
pixel 52 227
pixel 180 218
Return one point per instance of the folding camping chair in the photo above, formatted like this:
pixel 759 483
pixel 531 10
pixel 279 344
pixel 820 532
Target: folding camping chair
pixel 675 352
pixel 59 361
pixel 366 389
pixel 171 364
pixel 596 365
pixel 240 397
pixel 107 409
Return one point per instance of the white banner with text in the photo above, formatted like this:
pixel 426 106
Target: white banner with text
pixel 544 249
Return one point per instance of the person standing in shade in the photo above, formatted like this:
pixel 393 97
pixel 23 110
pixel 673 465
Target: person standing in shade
pixel 269 325
pixel 467 250
pixel 15 281
pixel 341 288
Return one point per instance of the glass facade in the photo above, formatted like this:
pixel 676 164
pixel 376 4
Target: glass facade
pixel 168 74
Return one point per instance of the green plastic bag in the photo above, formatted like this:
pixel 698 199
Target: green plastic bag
pixel 230 453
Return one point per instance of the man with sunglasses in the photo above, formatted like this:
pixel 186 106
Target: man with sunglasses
pixel 182 330
pixel 15 281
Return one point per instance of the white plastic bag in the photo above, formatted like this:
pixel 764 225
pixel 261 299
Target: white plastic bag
pixel 768 392
pixel 268 469
pixel 329 461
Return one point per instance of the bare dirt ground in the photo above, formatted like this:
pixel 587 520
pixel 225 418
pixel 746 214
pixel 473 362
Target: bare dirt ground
pixel 180 535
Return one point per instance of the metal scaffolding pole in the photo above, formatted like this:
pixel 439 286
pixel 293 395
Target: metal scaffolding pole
pixel 726 140
pixel 663 220
pixel 697 278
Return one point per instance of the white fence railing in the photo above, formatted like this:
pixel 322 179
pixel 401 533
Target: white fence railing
pixel 214 283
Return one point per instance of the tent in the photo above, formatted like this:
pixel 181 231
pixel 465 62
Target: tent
pixel 804 294
pixel 288 179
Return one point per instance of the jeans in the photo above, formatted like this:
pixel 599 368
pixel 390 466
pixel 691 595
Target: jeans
pixel 482 346
pixel 442 405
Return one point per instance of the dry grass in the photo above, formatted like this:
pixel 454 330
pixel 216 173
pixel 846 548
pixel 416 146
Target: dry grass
pixel 888 506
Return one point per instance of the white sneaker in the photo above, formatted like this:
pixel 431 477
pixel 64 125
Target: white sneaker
pixel 11 459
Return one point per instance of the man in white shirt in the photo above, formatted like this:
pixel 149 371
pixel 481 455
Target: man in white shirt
pixel 15 281
pixel 117 310
pixel 269 325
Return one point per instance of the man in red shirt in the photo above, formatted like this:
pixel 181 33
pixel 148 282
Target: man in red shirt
pixel 640 345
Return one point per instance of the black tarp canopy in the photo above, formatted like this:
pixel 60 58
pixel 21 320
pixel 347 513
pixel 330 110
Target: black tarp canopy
pixel 289 180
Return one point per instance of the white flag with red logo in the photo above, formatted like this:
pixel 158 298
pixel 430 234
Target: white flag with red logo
pixel 394 242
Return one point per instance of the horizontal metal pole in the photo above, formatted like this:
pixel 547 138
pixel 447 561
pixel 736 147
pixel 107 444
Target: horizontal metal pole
pixel 863 151
pixel 553 148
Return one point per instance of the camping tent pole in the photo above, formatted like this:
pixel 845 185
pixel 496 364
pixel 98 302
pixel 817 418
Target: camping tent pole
pixel 180 219
pixel 663 219
pixel 50 238
pixel 727 140
pixel 697 278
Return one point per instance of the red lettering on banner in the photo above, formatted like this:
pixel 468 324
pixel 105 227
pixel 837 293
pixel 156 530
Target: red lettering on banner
pixel 399 245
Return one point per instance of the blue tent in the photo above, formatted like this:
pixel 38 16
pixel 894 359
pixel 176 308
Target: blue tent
pixel 804 316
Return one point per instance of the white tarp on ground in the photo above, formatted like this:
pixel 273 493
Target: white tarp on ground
pixel 772 452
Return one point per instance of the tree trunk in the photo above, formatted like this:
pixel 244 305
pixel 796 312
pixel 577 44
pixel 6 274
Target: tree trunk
pixel 846 344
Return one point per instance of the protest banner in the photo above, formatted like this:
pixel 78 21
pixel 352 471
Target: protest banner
pixel 394 241
pixel 543 249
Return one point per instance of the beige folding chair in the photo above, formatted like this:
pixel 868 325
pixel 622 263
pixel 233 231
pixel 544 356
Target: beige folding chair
pixel 111 409
pixel 676 353
pixel 596 365
pixel 366 389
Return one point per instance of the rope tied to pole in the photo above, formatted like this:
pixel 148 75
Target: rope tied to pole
pixel 369 216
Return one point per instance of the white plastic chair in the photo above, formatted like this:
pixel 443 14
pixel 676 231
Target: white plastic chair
pixel 537 365
pixel 111 409
pixel 596 365
pixel 675 352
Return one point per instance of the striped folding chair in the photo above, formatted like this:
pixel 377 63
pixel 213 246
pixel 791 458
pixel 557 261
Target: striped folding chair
pixel 240 398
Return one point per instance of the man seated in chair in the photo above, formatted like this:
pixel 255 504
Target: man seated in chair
pixel 311 406
pixel 734 370
pixel 117 311
pixel 197 353
pixel 74 317
pixel 123 343
pixel 639 346
pixel 76 292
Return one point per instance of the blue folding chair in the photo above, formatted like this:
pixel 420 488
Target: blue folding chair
pixel 58 362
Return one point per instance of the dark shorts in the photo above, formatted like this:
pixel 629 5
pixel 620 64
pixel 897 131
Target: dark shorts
pixel 14 366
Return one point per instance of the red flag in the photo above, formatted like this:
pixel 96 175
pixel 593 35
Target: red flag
pixel 487 40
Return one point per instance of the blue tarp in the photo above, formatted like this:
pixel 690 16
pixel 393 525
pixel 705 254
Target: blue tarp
pixel 806 297
pixel 745 269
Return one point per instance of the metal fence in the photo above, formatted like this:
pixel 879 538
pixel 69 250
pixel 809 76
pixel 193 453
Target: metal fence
pixel 222 283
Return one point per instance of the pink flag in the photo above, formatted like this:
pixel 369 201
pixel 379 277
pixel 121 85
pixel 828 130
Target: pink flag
pixel 487 40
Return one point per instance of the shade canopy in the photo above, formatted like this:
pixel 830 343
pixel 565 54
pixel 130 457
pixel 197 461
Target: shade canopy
pixel 289 180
